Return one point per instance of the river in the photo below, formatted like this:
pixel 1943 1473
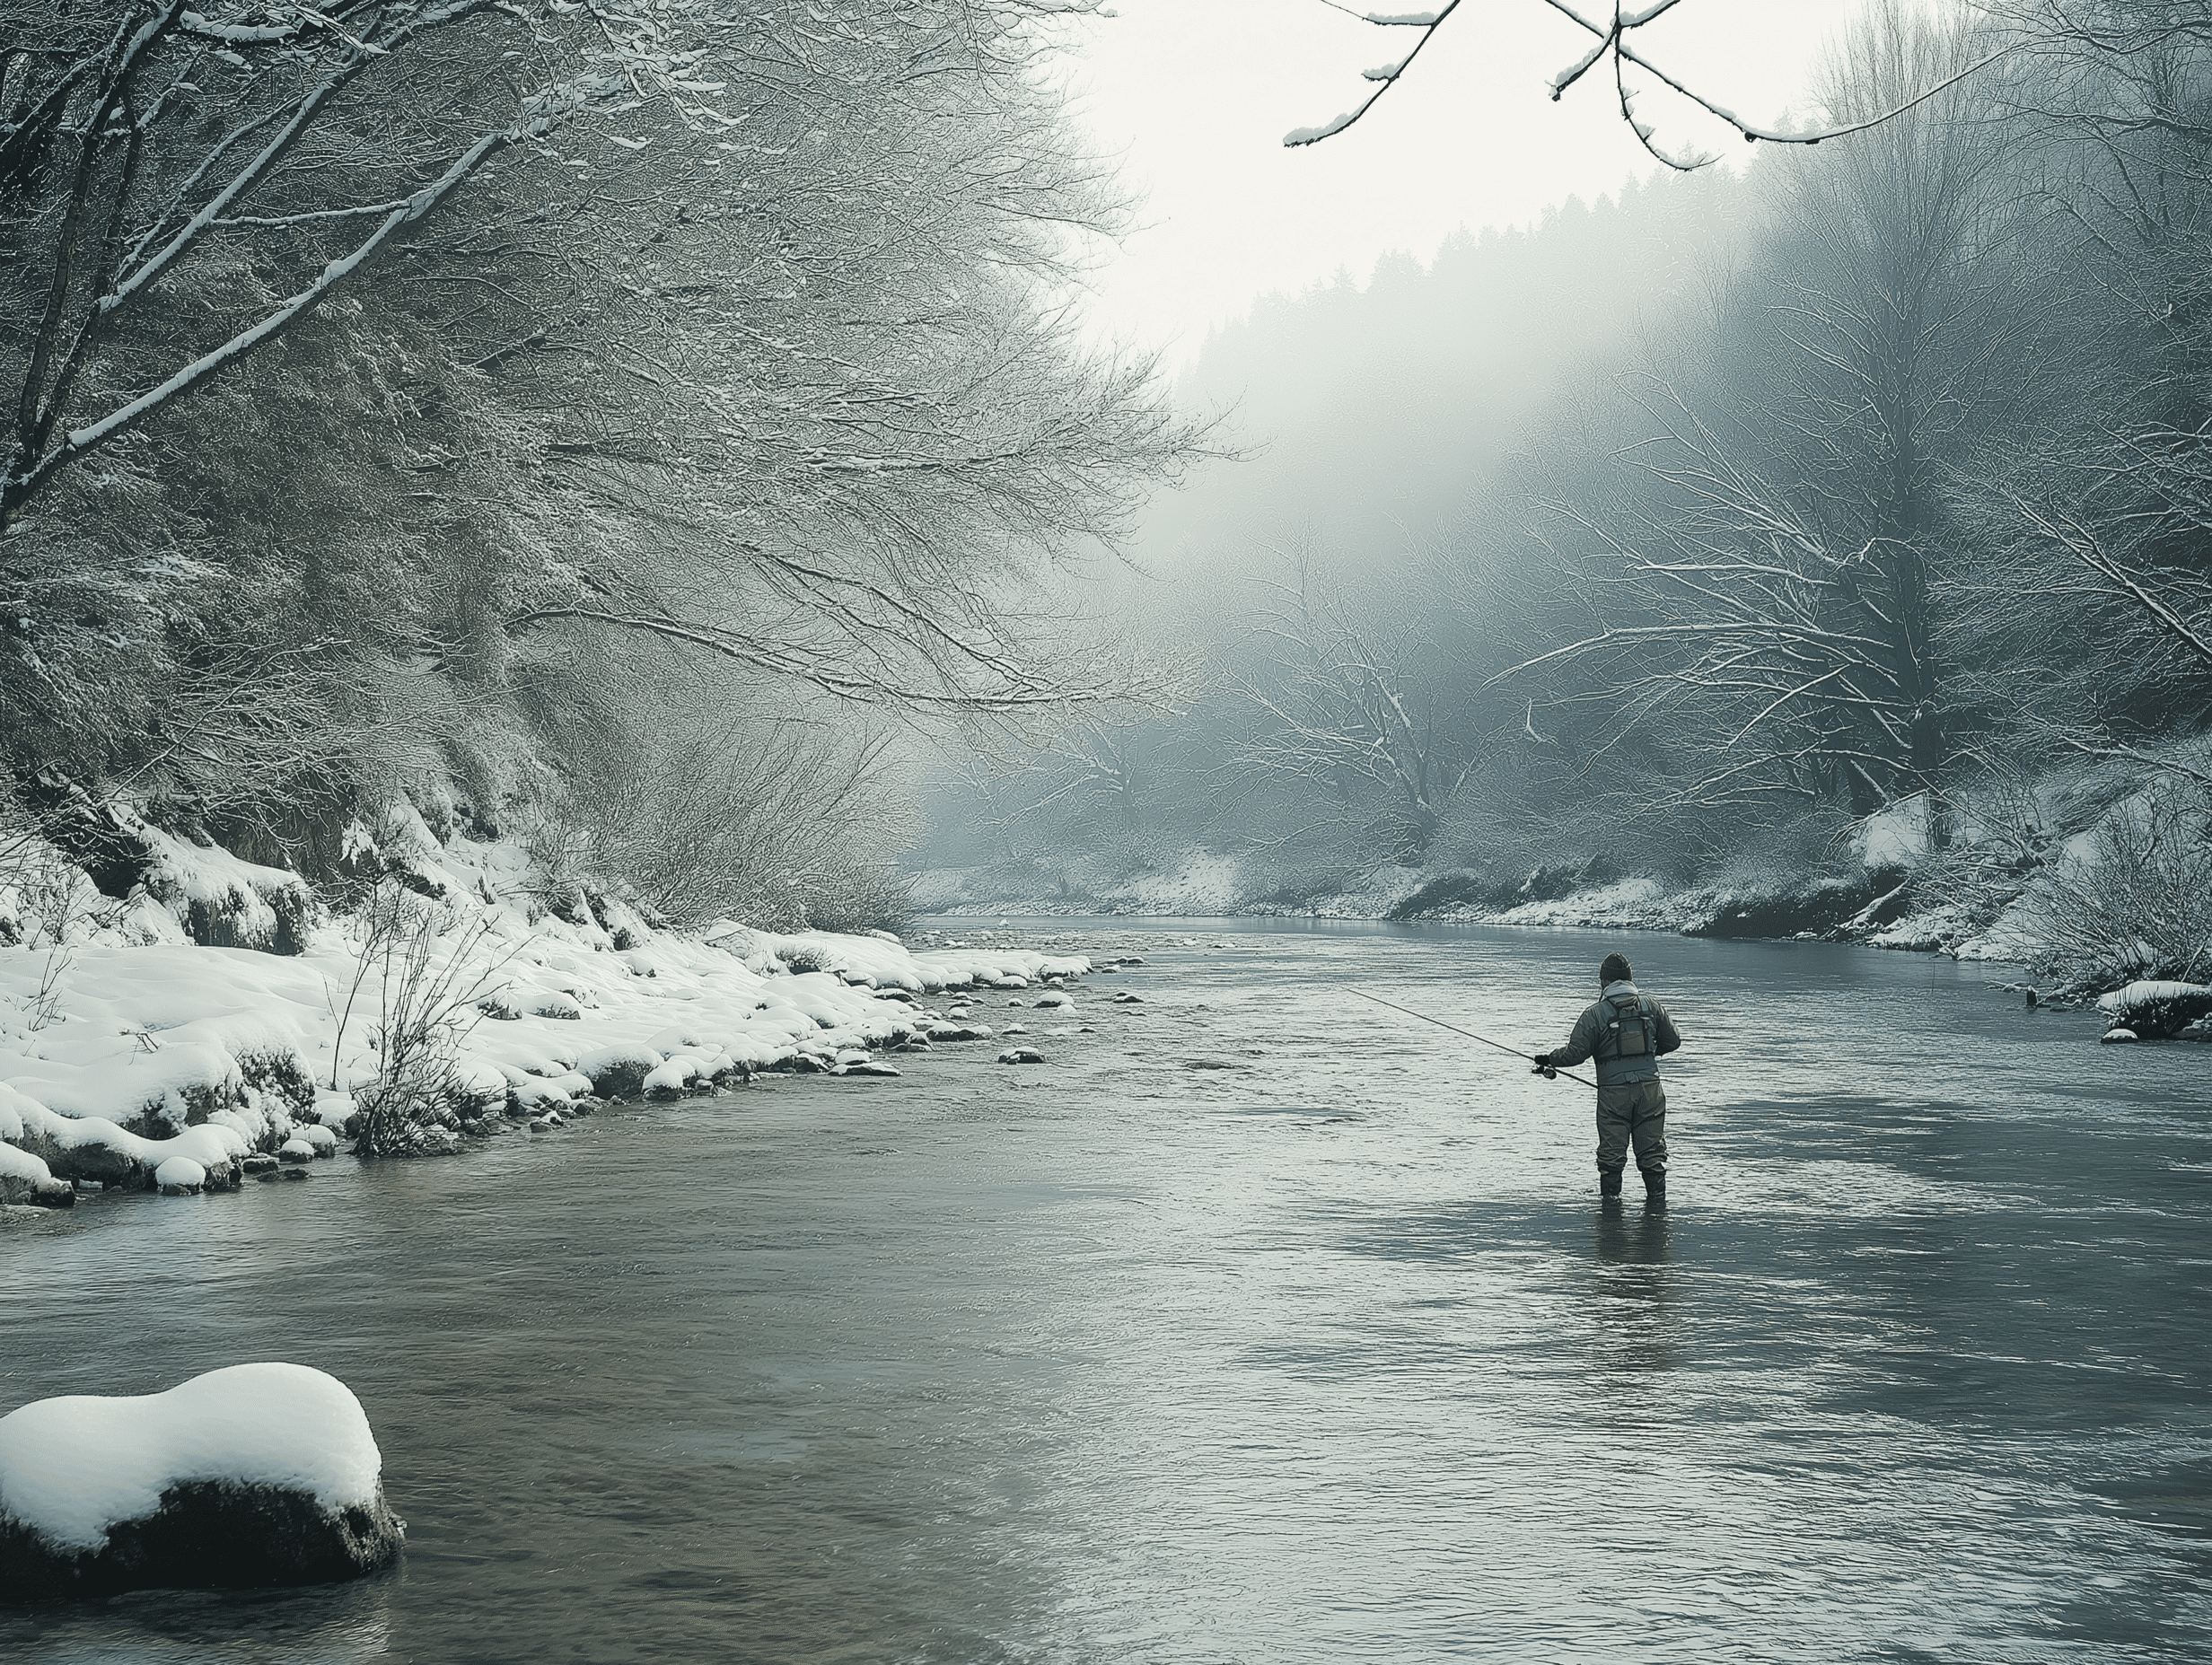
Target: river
pixel 1260 1325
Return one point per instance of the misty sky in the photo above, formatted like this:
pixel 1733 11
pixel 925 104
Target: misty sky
pixel 1196 95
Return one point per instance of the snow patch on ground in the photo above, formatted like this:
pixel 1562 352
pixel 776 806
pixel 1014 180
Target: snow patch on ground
pixel 1895 837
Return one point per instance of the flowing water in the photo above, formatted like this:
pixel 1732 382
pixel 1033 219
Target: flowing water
pixel 1260 1325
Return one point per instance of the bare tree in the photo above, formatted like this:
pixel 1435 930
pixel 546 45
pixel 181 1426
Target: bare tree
pixel 1351 701
pixel 2100 530
pixel 1760 569
pixel 185 187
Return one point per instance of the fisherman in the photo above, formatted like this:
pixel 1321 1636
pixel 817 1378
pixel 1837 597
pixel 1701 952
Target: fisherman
pixel 1626 1032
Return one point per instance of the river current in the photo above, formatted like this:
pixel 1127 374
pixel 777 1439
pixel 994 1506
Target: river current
pixel 1261 1324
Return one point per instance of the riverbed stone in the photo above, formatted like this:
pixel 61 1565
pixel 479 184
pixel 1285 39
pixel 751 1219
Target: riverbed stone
pixel 259 1162
pixel 53 1194
pixel 1020 1055
pixel 209 1534
pixel 958 1032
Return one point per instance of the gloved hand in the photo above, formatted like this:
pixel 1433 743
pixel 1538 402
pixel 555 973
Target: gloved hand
pixel 1544 1068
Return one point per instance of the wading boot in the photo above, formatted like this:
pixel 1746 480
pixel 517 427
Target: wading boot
pixel 1654 1184
pixel 1609 1182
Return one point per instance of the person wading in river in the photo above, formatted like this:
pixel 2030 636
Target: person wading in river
pixel 1626 1032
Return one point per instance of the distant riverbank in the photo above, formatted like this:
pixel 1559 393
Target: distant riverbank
pixel 1873 906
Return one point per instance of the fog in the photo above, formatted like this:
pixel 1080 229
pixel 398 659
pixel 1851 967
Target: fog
pixel 1696 535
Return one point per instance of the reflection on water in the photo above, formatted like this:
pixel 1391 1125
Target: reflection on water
pixel 1630 1290
pixel 1333 1354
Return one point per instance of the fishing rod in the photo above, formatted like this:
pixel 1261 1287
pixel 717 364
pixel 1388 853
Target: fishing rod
pixel 1456 1030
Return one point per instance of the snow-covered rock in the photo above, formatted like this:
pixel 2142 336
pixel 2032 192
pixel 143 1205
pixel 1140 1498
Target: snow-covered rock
pixel 2142 993
pixel 181 1175
pixel 255 1475
pixel 2156 1010
pixel 20 1174
pixel 668 1081
pixel 91 1147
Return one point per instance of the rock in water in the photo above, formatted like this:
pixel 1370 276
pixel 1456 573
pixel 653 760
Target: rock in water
pixel 254 1475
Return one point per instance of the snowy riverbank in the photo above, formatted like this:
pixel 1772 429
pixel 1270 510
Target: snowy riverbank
pixel 136 1064
pixel 1974 888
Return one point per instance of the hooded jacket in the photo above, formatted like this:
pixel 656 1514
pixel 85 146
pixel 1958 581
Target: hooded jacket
pixel 1594 1037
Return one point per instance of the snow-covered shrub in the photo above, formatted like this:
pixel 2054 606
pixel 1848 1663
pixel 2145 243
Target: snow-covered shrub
pixel 434 973
pixel 1978 848
pixel 2131 898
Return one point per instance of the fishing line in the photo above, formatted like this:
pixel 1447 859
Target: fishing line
pixel 1456 1030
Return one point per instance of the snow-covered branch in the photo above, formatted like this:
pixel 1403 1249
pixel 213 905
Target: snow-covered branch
pixel 1611 40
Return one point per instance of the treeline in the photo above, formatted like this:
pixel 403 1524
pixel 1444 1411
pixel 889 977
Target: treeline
pixel 589 425
pixel 1885 490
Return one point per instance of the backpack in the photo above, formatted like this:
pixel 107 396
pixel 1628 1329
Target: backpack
pixel 1633 1035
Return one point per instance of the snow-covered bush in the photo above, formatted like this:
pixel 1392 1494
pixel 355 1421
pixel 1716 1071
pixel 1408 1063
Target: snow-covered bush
pixel 1975 852
pixel 2132 898
pixel 434 973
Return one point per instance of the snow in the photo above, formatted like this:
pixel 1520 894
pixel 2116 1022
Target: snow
pixel 674 1075
pixel 183 873
pixel 72 1468
pixel 1297 136
pixel 16 1164
pixel 180 1170
pixel 1895 836
pixel 140 1032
